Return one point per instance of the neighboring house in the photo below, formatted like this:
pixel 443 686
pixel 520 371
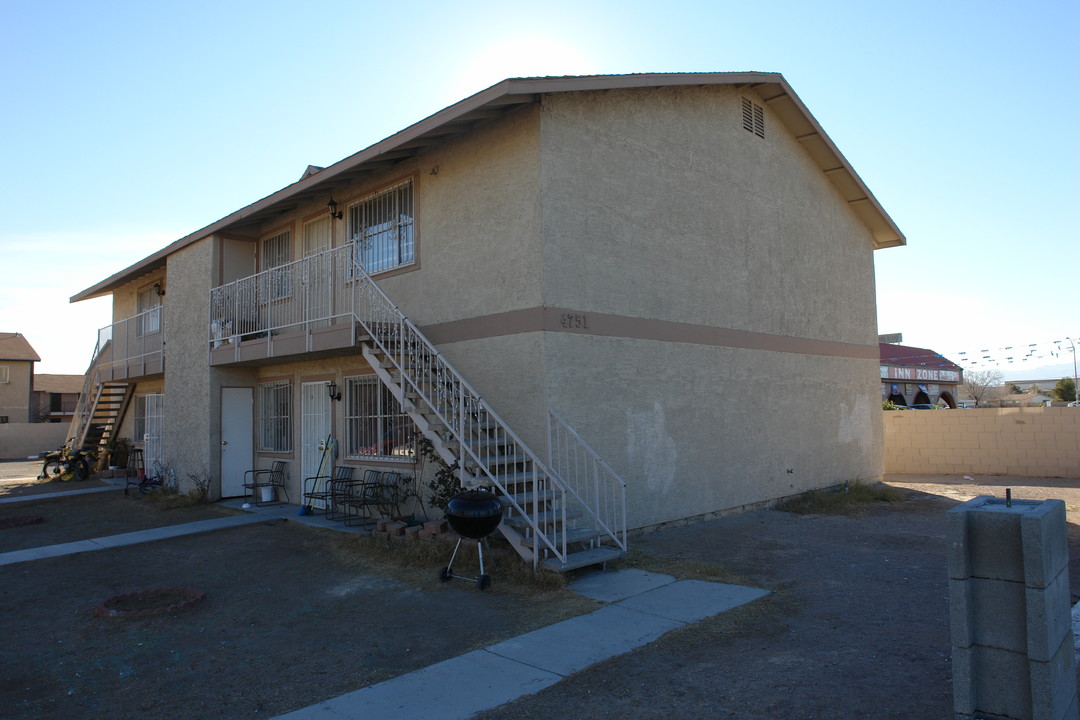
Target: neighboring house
pixel 919 376
pixel 678 265
pixel 56 397
pixel 1025 399
pixel 17 360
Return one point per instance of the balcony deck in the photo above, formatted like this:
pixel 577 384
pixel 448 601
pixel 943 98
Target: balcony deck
pixel 309 306
pixel 341 338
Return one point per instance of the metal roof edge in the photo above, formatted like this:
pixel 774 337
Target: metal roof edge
pixel 900 239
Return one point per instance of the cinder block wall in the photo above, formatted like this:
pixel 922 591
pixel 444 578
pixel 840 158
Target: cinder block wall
pixel 1032 442
pixel 22 440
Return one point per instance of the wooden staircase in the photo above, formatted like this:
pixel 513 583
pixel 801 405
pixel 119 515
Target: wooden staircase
pixel 101 415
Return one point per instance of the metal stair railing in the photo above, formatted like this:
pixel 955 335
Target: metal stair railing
pixel 597 487
pixel 276 300
pixel 80 421
pixel 466 415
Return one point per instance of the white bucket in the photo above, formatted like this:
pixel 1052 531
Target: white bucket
pixel 266 494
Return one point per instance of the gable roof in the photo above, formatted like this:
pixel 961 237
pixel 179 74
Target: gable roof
pixel 15 346
pixel 908 356
pixel 504 96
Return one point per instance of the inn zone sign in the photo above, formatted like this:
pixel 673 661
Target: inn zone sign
pixel 918 374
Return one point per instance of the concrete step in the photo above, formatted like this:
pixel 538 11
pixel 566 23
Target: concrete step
pixel 594 556
pixel 573 536
pixel 544 518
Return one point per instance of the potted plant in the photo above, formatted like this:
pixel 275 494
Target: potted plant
pixel 119 450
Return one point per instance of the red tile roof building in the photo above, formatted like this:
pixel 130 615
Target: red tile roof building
pixel 918 376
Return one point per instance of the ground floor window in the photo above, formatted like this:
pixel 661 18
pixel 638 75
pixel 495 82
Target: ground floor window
pixel 275 416
pixel 375 425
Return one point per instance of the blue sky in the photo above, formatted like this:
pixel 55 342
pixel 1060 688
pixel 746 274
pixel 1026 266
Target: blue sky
pixel 127 125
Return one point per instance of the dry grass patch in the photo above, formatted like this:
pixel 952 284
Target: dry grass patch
pixel 850 499
pixel 426 557
pixel 678 567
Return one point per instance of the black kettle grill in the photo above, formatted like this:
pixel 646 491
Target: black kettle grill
pixel 472 514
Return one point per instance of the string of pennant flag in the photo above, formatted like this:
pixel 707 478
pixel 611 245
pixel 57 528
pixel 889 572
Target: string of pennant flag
pixel 1048 351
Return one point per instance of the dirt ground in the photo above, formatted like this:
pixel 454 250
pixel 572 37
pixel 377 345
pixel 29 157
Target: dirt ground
pixel 293 615
pixel 857 625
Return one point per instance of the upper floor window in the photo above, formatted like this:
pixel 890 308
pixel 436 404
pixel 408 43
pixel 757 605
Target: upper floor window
pixel 275 254
pixel 148 308
pixel 4 377
pixel 382 228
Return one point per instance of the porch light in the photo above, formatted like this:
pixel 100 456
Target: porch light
pixel 157 290
pixel 332 207
pixel 332 389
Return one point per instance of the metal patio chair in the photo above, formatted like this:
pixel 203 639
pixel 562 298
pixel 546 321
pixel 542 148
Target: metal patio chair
pixel 256 480
pixel 333 488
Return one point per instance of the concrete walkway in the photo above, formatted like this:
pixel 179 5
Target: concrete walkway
pixel 639 607
pixel 62 493
pixel 642 607
pixel 131 538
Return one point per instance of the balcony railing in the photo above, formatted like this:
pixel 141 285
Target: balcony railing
pixel 132 347
pixel 298 297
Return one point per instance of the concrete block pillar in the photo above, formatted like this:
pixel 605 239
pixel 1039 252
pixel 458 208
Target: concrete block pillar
pixel 1013 653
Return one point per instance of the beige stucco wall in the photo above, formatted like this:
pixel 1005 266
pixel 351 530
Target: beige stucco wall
pixel 479 225
pixel 187 446
pixel 22 440
pixel 659 205
pixel 696 429
pixel 1032 442
pixel 15 393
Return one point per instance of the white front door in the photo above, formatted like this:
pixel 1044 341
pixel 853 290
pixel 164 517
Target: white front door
pixel 237 431
pixel 314 430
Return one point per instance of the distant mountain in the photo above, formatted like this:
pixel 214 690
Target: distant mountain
pixel 1023 371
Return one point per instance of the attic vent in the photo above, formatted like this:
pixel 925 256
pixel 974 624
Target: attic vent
pixel 753 117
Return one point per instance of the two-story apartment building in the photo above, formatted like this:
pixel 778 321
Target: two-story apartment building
pixel 17 360
pixel 677 266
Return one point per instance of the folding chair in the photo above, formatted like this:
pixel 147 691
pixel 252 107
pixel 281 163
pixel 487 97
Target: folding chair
pixel 256 480
pixel 359 496
pixel 333 486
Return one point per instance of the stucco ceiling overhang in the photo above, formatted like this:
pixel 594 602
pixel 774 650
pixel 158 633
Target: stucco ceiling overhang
pixel 504 97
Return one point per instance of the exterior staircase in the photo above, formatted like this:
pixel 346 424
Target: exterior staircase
pixel 565 512
pixel 110 401
pixel 101 408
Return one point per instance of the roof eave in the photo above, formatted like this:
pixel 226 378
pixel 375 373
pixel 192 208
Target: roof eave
pixel 773 88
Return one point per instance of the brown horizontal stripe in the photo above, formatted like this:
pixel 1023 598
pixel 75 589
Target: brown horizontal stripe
pixel 549 319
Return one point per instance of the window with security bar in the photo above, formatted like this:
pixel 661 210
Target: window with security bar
pixel 381 227
pixel 275 416
pixel 274 255
pixel 375 425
